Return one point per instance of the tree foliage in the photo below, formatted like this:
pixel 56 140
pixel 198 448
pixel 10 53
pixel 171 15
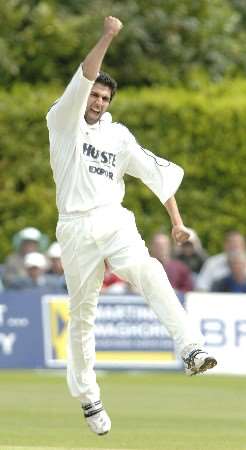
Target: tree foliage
pixel 202 131
pixel 168 42
pixel 173 43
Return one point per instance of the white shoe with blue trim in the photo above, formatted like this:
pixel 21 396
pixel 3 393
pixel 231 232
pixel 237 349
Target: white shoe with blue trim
pixel 196 360
pixel 97 418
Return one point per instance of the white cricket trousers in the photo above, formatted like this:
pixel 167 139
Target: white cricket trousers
pixel 86 240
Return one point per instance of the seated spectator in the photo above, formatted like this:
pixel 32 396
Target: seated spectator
pixel 178 273
pixel 217 267
pixel 55 274
pixel 26 241
pixel 35 265
pixel 191 253
pixel 236 280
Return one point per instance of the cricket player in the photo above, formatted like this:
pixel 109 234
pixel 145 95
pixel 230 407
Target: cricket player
pixel 89 156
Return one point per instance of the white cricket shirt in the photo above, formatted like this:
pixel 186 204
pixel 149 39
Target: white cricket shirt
pixel 89 161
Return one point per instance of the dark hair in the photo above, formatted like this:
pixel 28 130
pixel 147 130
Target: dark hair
pixel 105 79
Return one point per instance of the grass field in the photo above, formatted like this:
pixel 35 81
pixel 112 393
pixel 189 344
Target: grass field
pixel 154 411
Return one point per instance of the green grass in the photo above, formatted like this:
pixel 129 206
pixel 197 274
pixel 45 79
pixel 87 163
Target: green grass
pixel 149 411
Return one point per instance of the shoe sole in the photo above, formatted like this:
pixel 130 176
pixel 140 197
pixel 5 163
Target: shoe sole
pixel 102 434
pixel 209 363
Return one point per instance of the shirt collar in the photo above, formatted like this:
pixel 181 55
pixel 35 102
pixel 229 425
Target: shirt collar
pixel 105 120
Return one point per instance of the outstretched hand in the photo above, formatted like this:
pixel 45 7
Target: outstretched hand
pixel 112 25
pixel 180 234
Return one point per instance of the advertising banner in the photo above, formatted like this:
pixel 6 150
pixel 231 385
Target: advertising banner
pixel 222 321
pixel 21 333
pixel 33 332
pixel 128 334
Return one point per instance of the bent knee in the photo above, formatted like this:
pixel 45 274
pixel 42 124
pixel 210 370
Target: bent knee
pixel 145 271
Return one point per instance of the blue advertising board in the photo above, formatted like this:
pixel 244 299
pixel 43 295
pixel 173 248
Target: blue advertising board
pixel 128 334
pixel 21 343
pixel 33 332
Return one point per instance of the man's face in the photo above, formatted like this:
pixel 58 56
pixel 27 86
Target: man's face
pixel 56 265
pixel 237 265
pixel 35 272
pixel 98 102
pixel 28 246
pixel 235 243
pixel 160 247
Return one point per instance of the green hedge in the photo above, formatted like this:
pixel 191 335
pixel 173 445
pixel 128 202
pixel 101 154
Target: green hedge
pixel 205 133
pixel 27 191
pixel 175 40
pixel 202 131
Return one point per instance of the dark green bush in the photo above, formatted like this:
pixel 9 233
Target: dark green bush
pixel 41 40
pixel 204 132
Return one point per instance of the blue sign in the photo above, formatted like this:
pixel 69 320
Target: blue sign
pixel 33 332
pixel 21 342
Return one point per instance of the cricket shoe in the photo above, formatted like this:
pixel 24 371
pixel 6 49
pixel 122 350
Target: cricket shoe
pixel 197 360
pixel 97 418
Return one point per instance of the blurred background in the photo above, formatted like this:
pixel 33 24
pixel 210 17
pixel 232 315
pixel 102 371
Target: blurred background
pixel 180 66
pixel 181 69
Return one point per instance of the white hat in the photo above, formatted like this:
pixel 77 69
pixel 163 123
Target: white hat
pixel 35 259
pixel 54 250
pixel 30 234
pixel 194 239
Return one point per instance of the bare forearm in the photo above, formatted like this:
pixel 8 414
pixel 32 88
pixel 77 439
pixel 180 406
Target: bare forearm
pixel 180 233
pixel 173 211
pixel 94 59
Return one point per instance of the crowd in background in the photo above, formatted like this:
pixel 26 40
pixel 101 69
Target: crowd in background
pixel 34 264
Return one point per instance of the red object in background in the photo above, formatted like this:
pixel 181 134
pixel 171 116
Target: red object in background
pixel 110 278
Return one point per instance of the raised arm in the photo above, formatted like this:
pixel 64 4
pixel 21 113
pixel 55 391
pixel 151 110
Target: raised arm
pixel 93 61
pixel 69 108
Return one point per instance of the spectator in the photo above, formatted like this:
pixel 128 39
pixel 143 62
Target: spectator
pixel 55 274
pixel 191 253
pixel 236 280
pixel 216 267
pixel 178 273
pixel 26 241
pixel 35 265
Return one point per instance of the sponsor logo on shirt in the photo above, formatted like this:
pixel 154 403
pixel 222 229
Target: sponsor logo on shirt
pixel 97 156
pixel 100 171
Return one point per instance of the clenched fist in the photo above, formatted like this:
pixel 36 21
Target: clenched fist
pixel 112 25
pixel 180 234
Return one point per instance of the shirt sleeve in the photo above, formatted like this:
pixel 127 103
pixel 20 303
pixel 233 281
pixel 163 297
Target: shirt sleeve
pixel 160 175
pixel 70 107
